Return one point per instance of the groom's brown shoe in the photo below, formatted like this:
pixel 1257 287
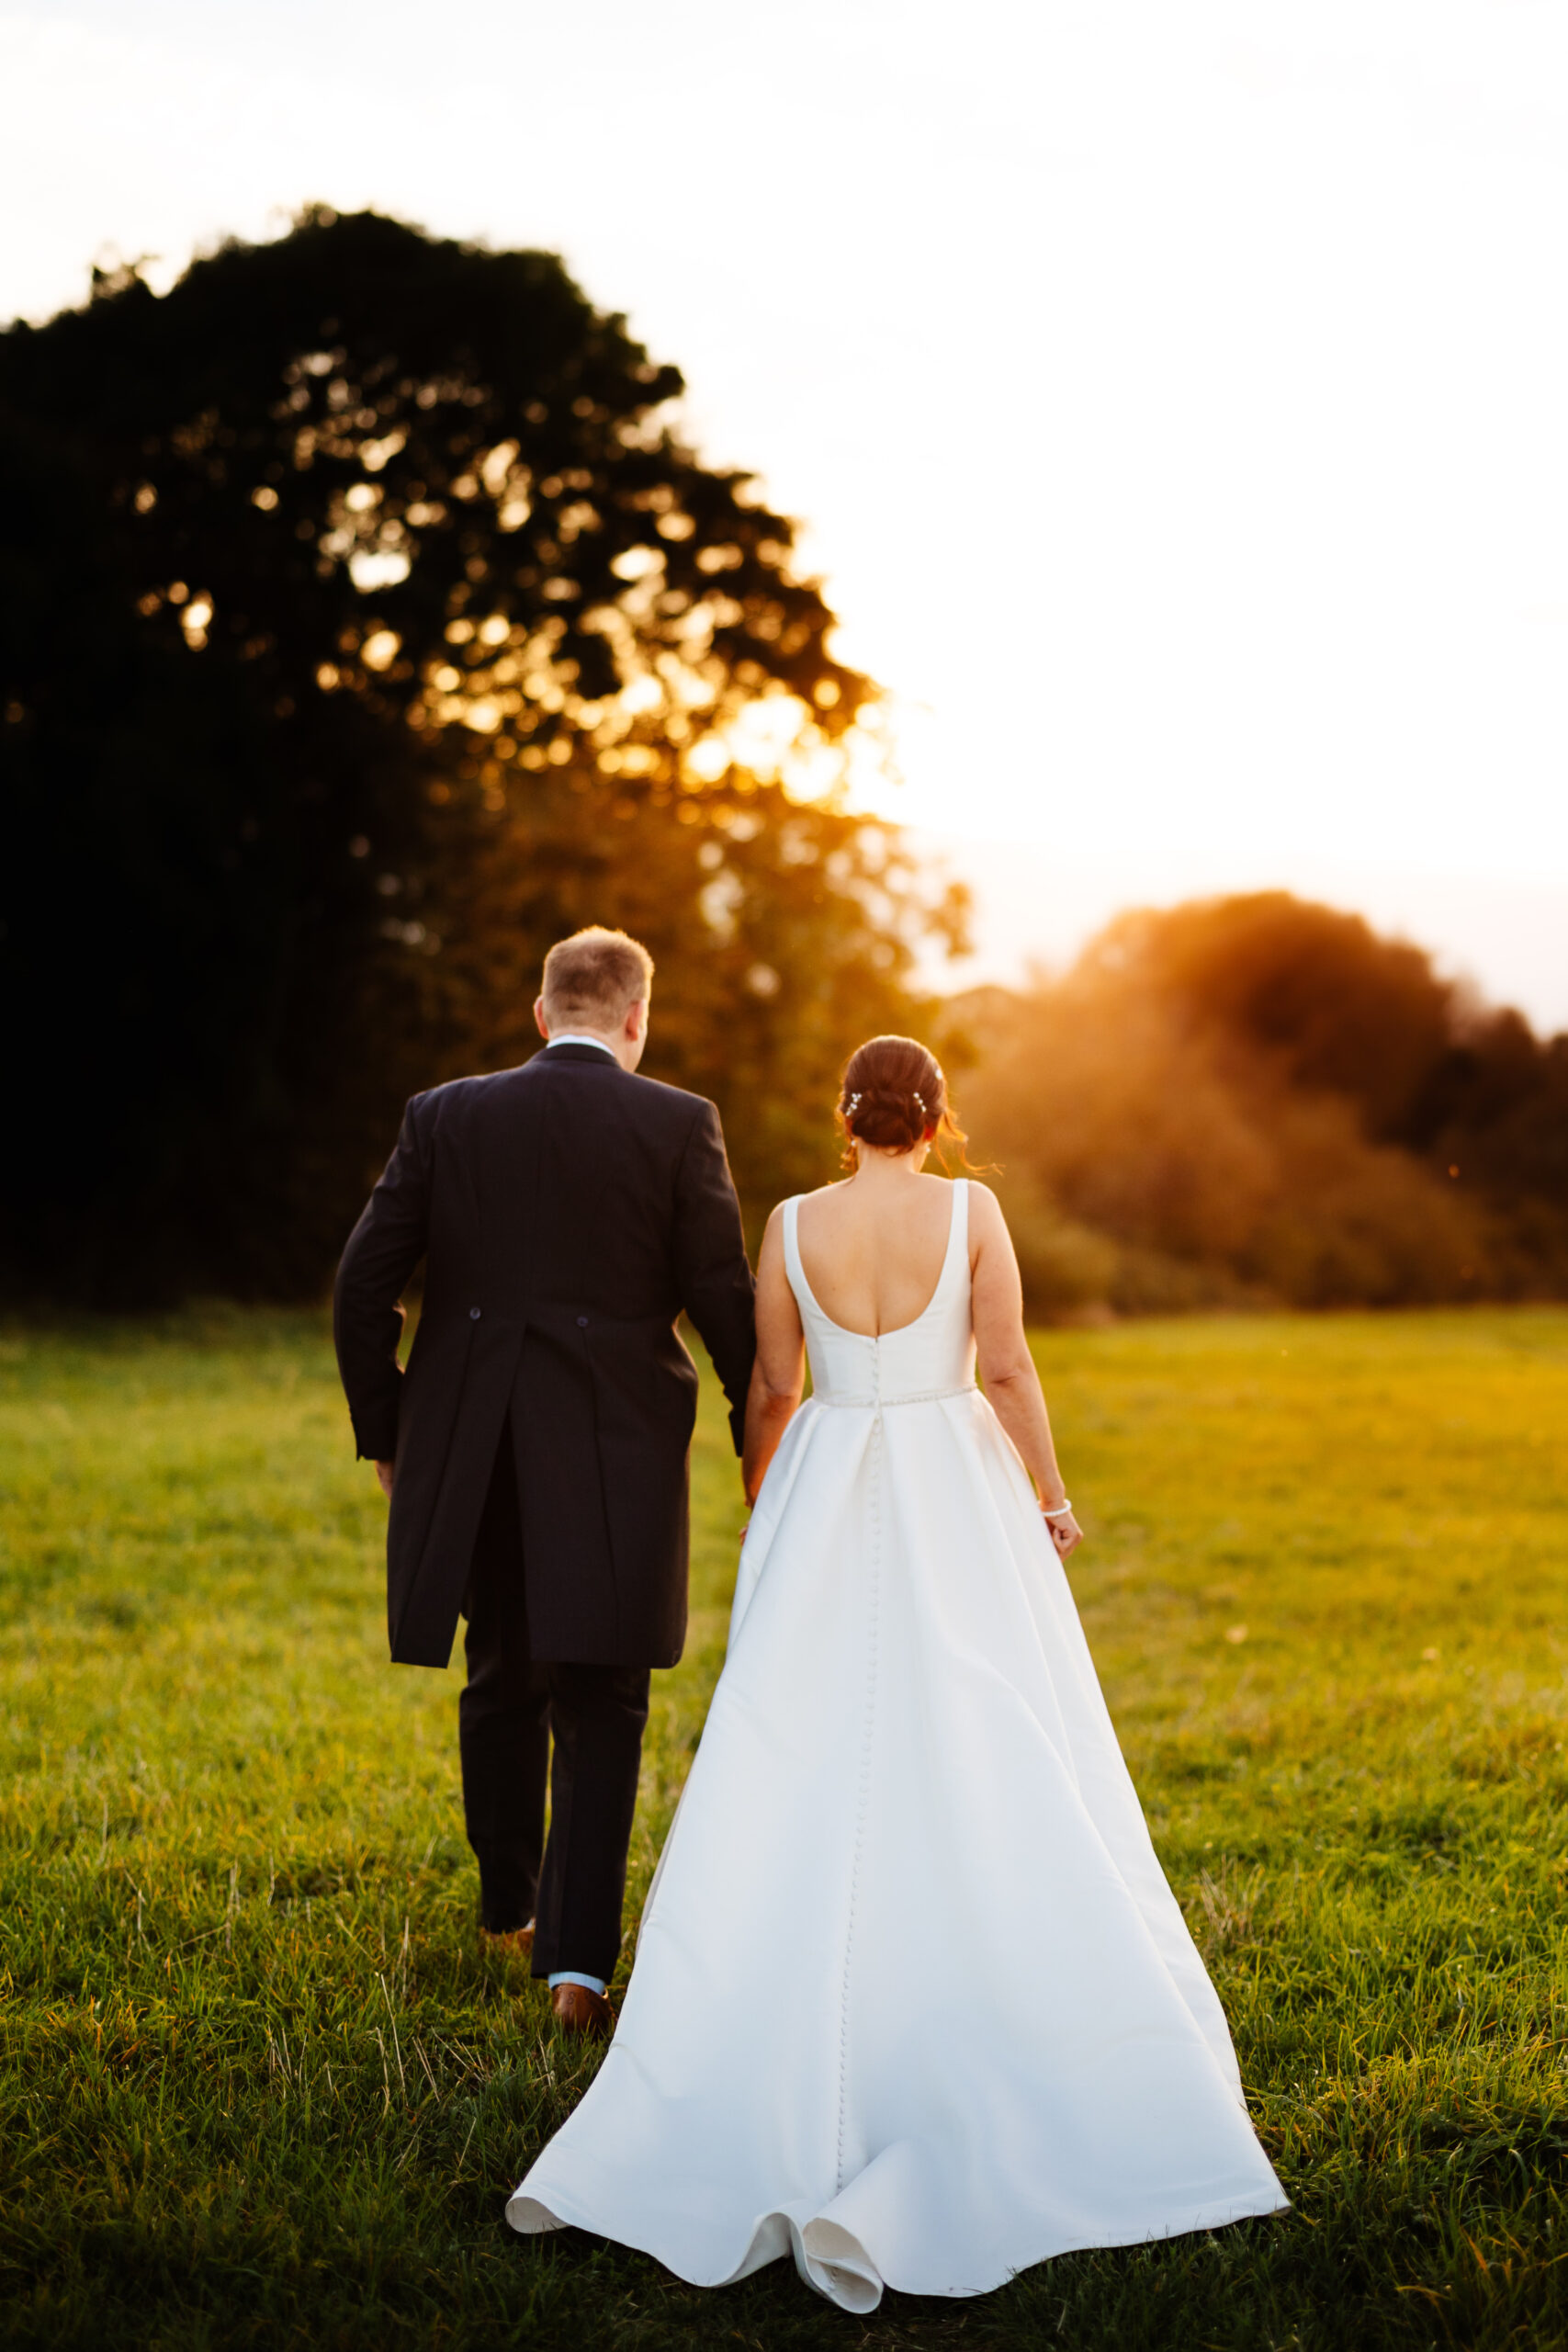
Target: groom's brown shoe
pixel 579 2009
pixel 514 1943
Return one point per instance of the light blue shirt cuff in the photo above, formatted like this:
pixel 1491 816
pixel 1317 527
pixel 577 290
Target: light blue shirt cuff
pixel 575 1976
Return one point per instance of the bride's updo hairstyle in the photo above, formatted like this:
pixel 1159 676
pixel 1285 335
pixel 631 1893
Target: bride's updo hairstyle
pixel 893 1094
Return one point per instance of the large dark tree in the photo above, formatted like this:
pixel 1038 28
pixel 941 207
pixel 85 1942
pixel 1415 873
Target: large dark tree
pixel 364 623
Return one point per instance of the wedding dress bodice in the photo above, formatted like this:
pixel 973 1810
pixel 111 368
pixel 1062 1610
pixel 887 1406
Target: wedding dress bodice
pixel 933 1356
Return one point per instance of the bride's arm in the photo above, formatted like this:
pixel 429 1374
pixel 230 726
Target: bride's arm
pixel 1006 1366
pixel 778 1375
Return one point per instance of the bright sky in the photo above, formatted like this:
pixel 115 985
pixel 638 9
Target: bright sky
pixel 1175 392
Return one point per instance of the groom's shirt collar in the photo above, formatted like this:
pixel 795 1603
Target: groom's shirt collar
pixel 574 1037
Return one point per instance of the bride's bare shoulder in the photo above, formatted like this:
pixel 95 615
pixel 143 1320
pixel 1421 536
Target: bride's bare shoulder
pixel 986 1217
pixel 834 1192
pixel 773 1232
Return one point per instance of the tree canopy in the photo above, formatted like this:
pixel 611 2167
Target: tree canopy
pixel 367 624
pixel 1256 1097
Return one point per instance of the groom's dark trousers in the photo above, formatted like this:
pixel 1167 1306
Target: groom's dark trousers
pixel 513 1704
pixel 566 1213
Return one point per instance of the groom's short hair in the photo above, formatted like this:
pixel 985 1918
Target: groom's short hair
pixel 596 975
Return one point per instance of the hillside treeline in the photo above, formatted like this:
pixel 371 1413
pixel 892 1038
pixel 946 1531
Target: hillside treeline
pixel 364 625
pixel 1254 1098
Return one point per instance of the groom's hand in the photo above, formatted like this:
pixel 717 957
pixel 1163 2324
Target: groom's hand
pixel 384 1470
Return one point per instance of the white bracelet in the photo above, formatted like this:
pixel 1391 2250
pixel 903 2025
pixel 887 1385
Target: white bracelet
pixel 1063 1511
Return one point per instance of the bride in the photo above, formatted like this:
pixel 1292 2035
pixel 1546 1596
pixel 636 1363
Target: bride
pixel 912 2000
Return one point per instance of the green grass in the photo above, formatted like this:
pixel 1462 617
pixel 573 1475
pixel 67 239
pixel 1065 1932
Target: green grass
pixel 257 2088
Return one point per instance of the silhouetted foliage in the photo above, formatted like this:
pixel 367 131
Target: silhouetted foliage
pixel 1257 1097
pixel 364 625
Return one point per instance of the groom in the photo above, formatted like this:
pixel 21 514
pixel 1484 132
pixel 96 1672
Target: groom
pixel 536 1448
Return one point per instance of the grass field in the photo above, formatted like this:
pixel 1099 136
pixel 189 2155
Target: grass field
pixel 257 2088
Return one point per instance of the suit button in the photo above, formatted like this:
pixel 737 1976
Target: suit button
pixel 473 1314
pixel 582 1322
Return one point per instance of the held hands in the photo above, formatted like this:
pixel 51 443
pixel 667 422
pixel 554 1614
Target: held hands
pixel 385 1472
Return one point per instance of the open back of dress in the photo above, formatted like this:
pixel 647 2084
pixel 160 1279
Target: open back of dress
pixel 912 1997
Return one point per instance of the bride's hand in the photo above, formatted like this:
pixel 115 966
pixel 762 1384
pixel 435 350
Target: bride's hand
pixel 1066 1535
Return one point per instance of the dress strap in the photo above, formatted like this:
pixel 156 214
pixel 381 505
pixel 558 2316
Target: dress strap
pixel 792 1266
pixel 957 1238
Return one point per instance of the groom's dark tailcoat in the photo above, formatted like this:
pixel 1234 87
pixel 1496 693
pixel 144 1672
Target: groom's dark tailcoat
pixel 568 1212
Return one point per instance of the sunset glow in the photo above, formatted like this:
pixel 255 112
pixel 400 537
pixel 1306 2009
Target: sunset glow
pixel 1173 399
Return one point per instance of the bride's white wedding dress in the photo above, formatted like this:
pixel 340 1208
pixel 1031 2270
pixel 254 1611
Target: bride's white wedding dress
pixel 912 1998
